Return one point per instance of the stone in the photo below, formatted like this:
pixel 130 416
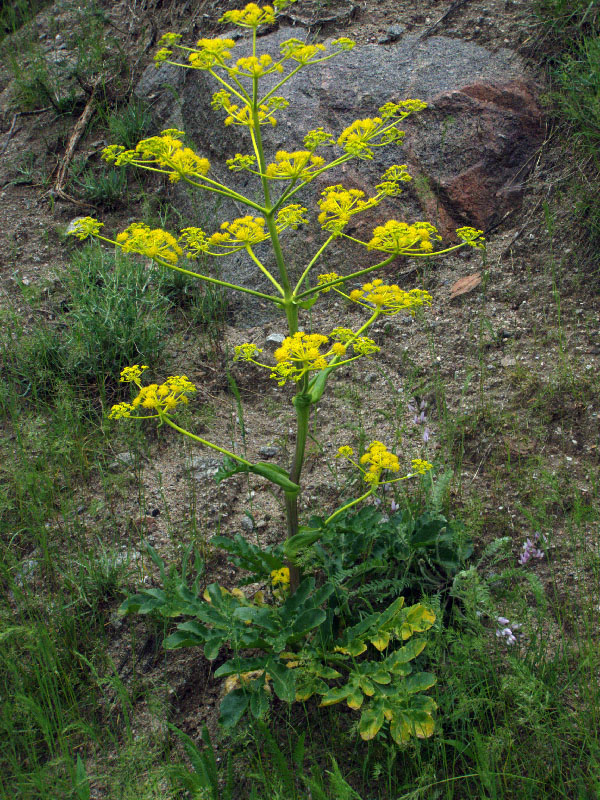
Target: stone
pixel 273 341
pixel 123 460
pixel 270 451
pixel 469 151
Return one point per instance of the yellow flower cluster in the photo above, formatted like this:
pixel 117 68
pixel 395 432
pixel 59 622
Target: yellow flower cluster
pixel 301 353
pixel 378 458
pixel 238 234
pixel 290 166
pixel 166 152
pixel 255 66
pixel 280 576
pixel 327 277
pixel 472 237
pixel 162 399
pixel 338 205
pixel 132 374
pixel 362 135
pixel 420 467
pixel 298 355
pixel 251 16
pixel 401 109
pixel 246 352
pixel 318 138
pixel 156 244
pixel 399 237
pixel 242 115
pixel 212 52
pixel 391 180
pixel 300 52
pixel 241 162
pixel 390 299
pixel 86 226
pixel 290 217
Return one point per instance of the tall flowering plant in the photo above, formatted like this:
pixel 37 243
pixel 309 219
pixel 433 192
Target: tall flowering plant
pixel 304 360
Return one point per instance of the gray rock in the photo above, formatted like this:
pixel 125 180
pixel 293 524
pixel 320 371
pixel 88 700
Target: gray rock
pixel 125 459
pixel 393 33
pixel 273 341
pixel 247 524
pixel 206 468
pixel 270 451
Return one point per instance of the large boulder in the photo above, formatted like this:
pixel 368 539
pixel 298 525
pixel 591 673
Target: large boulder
pixel 468 152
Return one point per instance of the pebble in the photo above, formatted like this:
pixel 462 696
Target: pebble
pixel 269 451
pixel 273 341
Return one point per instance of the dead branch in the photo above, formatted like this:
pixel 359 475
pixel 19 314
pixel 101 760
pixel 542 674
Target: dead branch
pixel 454 7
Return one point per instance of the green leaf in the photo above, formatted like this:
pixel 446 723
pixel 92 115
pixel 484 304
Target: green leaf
pixel 271 472
pixel 371 721
pixel 233 707
pixel 407 653
pixel 259 704
pixel 308 620
pixel 301 541
pixel 419 682
pixel 235 666
pixel 212 647
pixel 265 618
pixel 284 680
pixel 183 639
pixel 336 695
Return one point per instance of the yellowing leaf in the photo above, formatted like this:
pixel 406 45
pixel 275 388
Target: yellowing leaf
pixel 381 640
pixel 354 648
pixel 335 695
pixel 355 700
pixel 370 723
pixel 420 618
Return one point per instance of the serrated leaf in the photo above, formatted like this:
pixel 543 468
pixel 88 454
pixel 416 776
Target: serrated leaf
pixel 233 707
pixel 371 721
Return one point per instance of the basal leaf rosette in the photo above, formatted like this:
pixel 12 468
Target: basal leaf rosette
pixel 385 690
pixel 303 353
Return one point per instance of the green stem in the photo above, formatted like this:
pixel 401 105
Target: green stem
pixel 352 503
pixel 193 436
pixel 317 289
